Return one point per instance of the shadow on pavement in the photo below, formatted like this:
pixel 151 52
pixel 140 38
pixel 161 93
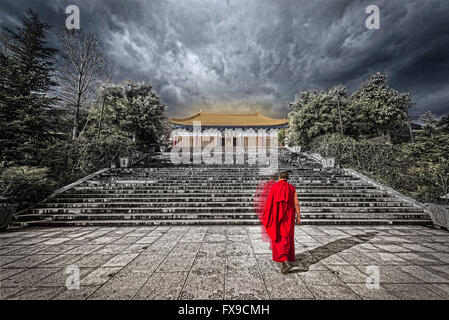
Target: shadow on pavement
pixel 305 259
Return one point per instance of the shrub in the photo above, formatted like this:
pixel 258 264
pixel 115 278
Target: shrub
pixel 24 185
pixel 420 170
pixel 71 160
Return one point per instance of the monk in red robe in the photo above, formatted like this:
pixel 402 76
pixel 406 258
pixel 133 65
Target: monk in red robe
pixel 279 221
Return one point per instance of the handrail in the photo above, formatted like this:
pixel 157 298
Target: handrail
pixel 65 188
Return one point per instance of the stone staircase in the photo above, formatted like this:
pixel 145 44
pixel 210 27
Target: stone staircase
pixel 156 192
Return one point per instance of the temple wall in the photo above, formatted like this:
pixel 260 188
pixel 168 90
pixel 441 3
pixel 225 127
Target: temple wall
pixel 225 137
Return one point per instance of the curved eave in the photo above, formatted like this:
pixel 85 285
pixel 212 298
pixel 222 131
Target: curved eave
pixel 243 120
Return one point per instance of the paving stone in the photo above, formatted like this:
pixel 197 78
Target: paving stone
pixel 212 250
pixel 6 273
pixel 412 292
pixel 260 247
pixel 58 249
pixel 442 270
pixel 388 258
pixel 136 248
pixel 437 246
pixel 93 260
pixel 421 258
pixel 393 248
pixel 147 239
pixel 53 241
pixel 235 248
pixel 120 260
pixel 59 261
pixel 393 274
pixel 28 241
pixel 247 264
pixel 214 237
pixel 162 286
pixel 160 246
pixel 37 293
pixel 369 293
pixel 9 249
pixel 4 259
pixel 357 258
pixel 99 276
pixel 441 256
pixel 305 261
pixel 320 278
pixel 424 274
pixel 331 259
pixel 29 249
pixel 415 247
pixel 208 266
pixel 245 285
pixel 28 277
pixel 127 239
pixel 85 249
pixel 395 239
pixel 441 289
pixel 193 237
pixel 76 294
pixel 207 286
pixel 177 262
pixel 348 274
pixel 104 240
pixel 146 262
pixel 333 292
pixel 112 249
pixel 186 248
pixel 29 261
pixel 7 292
pixel 59 278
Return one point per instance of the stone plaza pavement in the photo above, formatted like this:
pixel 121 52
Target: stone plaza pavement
pixel 224 262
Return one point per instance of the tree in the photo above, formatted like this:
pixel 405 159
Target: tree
pixel 145 115
pixel 430 122
pixel 443 124
pixel 27 113
pixel 317 113
pixel 379 109
pixel 338 98
pixel 80 72
pixel 133 110
pixel 281 136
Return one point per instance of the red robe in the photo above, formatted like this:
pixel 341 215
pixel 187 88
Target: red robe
pixel 279 220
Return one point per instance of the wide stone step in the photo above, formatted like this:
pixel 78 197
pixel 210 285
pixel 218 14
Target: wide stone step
pixel 136 223
pixel 208 182
pixel 249 209
pixel 140 216
pixel 225 177
pixel 132 194
pixel 214 203
pixel 211 215
pixel 301 187
pixel 213 198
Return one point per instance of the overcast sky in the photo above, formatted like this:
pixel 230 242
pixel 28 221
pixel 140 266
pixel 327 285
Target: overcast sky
pixel 243 55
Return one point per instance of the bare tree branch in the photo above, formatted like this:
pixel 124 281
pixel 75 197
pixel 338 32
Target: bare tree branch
pixel 80 72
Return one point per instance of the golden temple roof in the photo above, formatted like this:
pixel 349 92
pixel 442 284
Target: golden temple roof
pixel 230 120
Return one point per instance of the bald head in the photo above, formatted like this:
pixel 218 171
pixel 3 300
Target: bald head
pixel 283 176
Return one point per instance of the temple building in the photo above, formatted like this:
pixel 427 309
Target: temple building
pixel 226 129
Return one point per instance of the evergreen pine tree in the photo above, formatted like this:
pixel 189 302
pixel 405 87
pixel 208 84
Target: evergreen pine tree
pixel 27 113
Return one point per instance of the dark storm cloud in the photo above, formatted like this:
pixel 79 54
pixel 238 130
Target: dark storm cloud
pixel 257 54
